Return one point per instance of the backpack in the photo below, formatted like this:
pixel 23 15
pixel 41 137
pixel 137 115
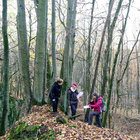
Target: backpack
pixel 104 106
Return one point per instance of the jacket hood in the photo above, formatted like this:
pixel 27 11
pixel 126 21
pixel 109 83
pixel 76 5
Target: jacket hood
pixel 100 98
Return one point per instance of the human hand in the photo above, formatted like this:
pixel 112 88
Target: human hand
pixel 53 100
pixel 89 105
pixel 79 100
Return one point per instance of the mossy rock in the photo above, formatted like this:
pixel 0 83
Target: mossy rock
pixel 24 131
pixel 49 135
pixel 61 120
pixel 48 110
pixel 13 109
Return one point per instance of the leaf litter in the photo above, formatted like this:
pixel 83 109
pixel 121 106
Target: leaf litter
pixel 73 130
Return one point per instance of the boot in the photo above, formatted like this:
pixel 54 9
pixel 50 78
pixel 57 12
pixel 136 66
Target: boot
pixel 54 114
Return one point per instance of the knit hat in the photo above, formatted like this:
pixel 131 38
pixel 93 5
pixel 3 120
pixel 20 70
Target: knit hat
pixel 74 84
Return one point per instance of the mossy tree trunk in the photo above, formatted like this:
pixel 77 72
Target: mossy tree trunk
pixel 89 54
pixel 111 28
pixel 45 81
pixel 23 55
pixel 5 108
pixel 73 29
pixel 40 52
pixel 53 41
pixel 98 58
pixel 67 53
pixel 114 67
pixel 138 79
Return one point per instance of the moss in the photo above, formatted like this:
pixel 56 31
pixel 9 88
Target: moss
pixel 31 132
pixel 47 134
pixel 24 131
pixel 14 107
pixel 72 126
pixel 13 110
pixel 48 110
pixel 61 120
pixel 1 101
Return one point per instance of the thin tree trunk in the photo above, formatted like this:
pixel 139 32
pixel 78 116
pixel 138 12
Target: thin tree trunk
pixel 72 39
pixel 45 59
pixel 127 89
pixel 53 42
pixel 66 53
pixel 98 58
pixel 89 55
pixel 5 108
pixel 138 77
pixel 107 51
pixel 114 67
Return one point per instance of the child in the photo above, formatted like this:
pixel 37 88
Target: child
pixel 96 104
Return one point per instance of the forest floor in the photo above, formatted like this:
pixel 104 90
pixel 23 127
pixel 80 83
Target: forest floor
pixel 41 117
pixel 129 125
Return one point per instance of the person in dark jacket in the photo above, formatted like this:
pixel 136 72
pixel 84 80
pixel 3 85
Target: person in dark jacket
pixel 96 104
pixel 72 99
pixel 55 94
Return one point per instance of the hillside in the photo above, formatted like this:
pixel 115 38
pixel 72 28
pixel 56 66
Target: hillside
pixel 40 124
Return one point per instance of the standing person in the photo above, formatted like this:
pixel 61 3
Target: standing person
pixel 72 98
pixel 55 94
pixel 96 104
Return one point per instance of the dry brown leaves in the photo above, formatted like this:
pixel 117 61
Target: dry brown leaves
pixel 74 130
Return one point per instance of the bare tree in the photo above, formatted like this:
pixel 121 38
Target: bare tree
pixel 99 54
pixel 114 66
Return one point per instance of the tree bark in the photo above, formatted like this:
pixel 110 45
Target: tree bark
pixel 45 81
pixel 114 67
pixel 66 53
pixel 138 79
pixel 53 42
pixel 89 55
pixel 5 108
pixel 40 51
pixel 98 58
pixel 73 28
pixel 107 51
pixel 23 55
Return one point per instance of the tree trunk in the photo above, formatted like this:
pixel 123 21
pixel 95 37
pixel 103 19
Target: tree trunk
pixel 40 51
pixel 23 55
pixel 138 77
pixel 98 58
pixel 107 51
pixel 45 58
pixel 66 53
pixel 53 41
pixel 5 108
pixel 72 39
pixel 114 67
pixel 89 55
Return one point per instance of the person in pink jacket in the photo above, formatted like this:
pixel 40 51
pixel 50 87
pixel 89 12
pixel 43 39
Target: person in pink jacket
pixel 97 105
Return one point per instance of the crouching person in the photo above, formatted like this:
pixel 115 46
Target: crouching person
pixel 55 94
pixel 72 99
pixel 96 104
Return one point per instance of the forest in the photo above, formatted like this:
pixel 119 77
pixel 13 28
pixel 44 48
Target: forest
pixel 92 45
